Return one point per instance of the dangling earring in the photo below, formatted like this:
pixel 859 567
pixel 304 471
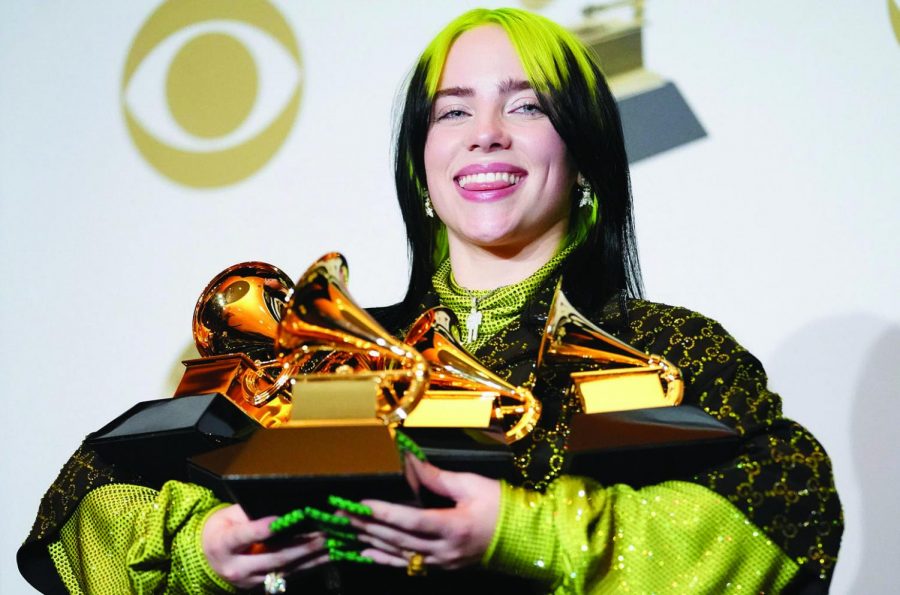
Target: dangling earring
pixel 587 196
pixel 429 210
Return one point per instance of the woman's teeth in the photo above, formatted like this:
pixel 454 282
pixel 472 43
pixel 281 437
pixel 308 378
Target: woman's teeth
pixel 487 178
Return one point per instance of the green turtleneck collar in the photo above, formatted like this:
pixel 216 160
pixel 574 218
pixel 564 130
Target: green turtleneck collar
pixel 498 307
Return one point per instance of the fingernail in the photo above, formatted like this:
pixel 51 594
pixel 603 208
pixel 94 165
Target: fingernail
pixel 342 535
pixel 334 544
pixel 350 506
pixel 287 521
pixel 405 444
pixel 336 555
pixel 326 518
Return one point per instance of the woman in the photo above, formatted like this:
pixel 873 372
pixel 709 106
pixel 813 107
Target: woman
pixel 512 94
pixel 511 173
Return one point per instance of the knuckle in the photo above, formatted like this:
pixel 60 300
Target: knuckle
pixel 230 574
pixel 460 533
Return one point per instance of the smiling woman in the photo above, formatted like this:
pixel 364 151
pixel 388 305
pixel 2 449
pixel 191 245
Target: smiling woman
pixel 510 132
pixel 512 179
pixel 497 171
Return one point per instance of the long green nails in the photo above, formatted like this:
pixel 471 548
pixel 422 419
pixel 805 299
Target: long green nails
pixel 336 555
pixel 405 445
pixel 349 506
pixel 284 522
pixel 345 536
pixel 326 518
pixel 323 519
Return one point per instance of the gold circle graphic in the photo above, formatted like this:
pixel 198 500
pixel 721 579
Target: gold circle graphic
pixel 211 87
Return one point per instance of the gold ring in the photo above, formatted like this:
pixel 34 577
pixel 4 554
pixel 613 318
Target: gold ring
pixel 416 565
pixel 275 583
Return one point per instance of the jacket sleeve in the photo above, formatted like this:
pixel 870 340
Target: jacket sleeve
pixel 125 538
pixel 580 537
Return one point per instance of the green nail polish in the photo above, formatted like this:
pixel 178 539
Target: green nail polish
pixel 349 506
pixel 287 521
pixel 345 536
pixel 336 555
pixel 405 444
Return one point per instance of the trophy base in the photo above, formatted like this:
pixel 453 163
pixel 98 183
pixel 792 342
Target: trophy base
pixel 154 437
pixel 646 446
pixel 282 469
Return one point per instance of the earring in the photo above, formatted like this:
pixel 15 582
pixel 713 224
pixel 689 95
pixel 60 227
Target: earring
pixel 587 196
pixel 429 210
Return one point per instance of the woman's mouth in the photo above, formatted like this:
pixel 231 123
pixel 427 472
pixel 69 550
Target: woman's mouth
pixel 488 182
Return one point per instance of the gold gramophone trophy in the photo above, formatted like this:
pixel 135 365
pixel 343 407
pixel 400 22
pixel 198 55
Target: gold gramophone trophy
pixel 235 324
pixel 462 392
pixel 633 427
pixel 320 316
pixel 337 437
pixel 624 377
pixel 349 385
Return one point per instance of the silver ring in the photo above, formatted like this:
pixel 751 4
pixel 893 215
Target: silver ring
pixel 275 583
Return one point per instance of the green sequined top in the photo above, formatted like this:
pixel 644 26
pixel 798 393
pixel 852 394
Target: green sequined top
pixel 767 518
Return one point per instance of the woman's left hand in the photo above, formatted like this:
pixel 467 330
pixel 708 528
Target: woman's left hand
pixel 446 537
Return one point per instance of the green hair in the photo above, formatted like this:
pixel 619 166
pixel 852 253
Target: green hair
pixel 539 42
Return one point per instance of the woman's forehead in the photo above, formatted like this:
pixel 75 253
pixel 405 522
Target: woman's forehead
pixel 481 56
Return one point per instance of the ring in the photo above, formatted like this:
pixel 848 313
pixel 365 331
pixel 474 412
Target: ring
pixel 275 583
pixel 416 565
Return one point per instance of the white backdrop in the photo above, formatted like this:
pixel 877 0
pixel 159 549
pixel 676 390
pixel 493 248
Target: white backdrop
pixel 779 224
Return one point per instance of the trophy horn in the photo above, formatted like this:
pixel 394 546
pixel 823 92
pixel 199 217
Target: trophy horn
pixel 570 337
pixel 435 335
pixel 321 316
pixel 238 313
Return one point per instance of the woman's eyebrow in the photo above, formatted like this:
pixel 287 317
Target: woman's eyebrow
pixel 455 92
pixel 505 87
pixel 513 85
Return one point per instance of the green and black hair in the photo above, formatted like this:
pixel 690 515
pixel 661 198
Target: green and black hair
pixel 573 93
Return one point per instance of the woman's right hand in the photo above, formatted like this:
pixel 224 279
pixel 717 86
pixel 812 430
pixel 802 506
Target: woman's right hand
pixel 228 540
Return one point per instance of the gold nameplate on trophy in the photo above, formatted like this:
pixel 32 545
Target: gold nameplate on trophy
pixel 603 391
pixel 452 409
pixel 336 400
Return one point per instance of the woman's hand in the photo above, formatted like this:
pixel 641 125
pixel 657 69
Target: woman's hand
pixel 229 538
pixel 449 537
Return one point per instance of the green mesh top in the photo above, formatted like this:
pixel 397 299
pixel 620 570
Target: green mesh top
pixel 497 307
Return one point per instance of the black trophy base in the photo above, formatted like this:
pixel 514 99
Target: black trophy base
pixel 645 446
pixel 154 438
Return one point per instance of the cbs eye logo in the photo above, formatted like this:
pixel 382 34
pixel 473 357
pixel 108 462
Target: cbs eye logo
pixel 211 89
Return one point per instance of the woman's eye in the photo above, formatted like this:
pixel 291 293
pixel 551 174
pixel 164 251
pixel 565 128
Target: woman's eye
pixel 528 109
pixel 453 114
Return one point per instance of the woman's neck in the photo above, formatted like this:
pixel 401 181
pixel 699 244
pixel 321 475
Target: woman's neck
pixel 477 267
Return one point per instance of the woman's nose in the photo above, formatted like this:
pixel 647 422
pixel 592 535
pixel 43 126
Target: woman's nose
pixel 489 133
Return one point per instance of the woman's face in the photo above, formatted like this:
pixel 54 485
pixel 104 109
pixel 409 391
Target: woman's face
pixel 498 173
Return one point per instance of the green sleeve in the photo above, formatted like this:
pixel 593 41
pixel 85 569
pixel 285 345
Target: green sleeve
pixel 580 537
pixel 126 538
